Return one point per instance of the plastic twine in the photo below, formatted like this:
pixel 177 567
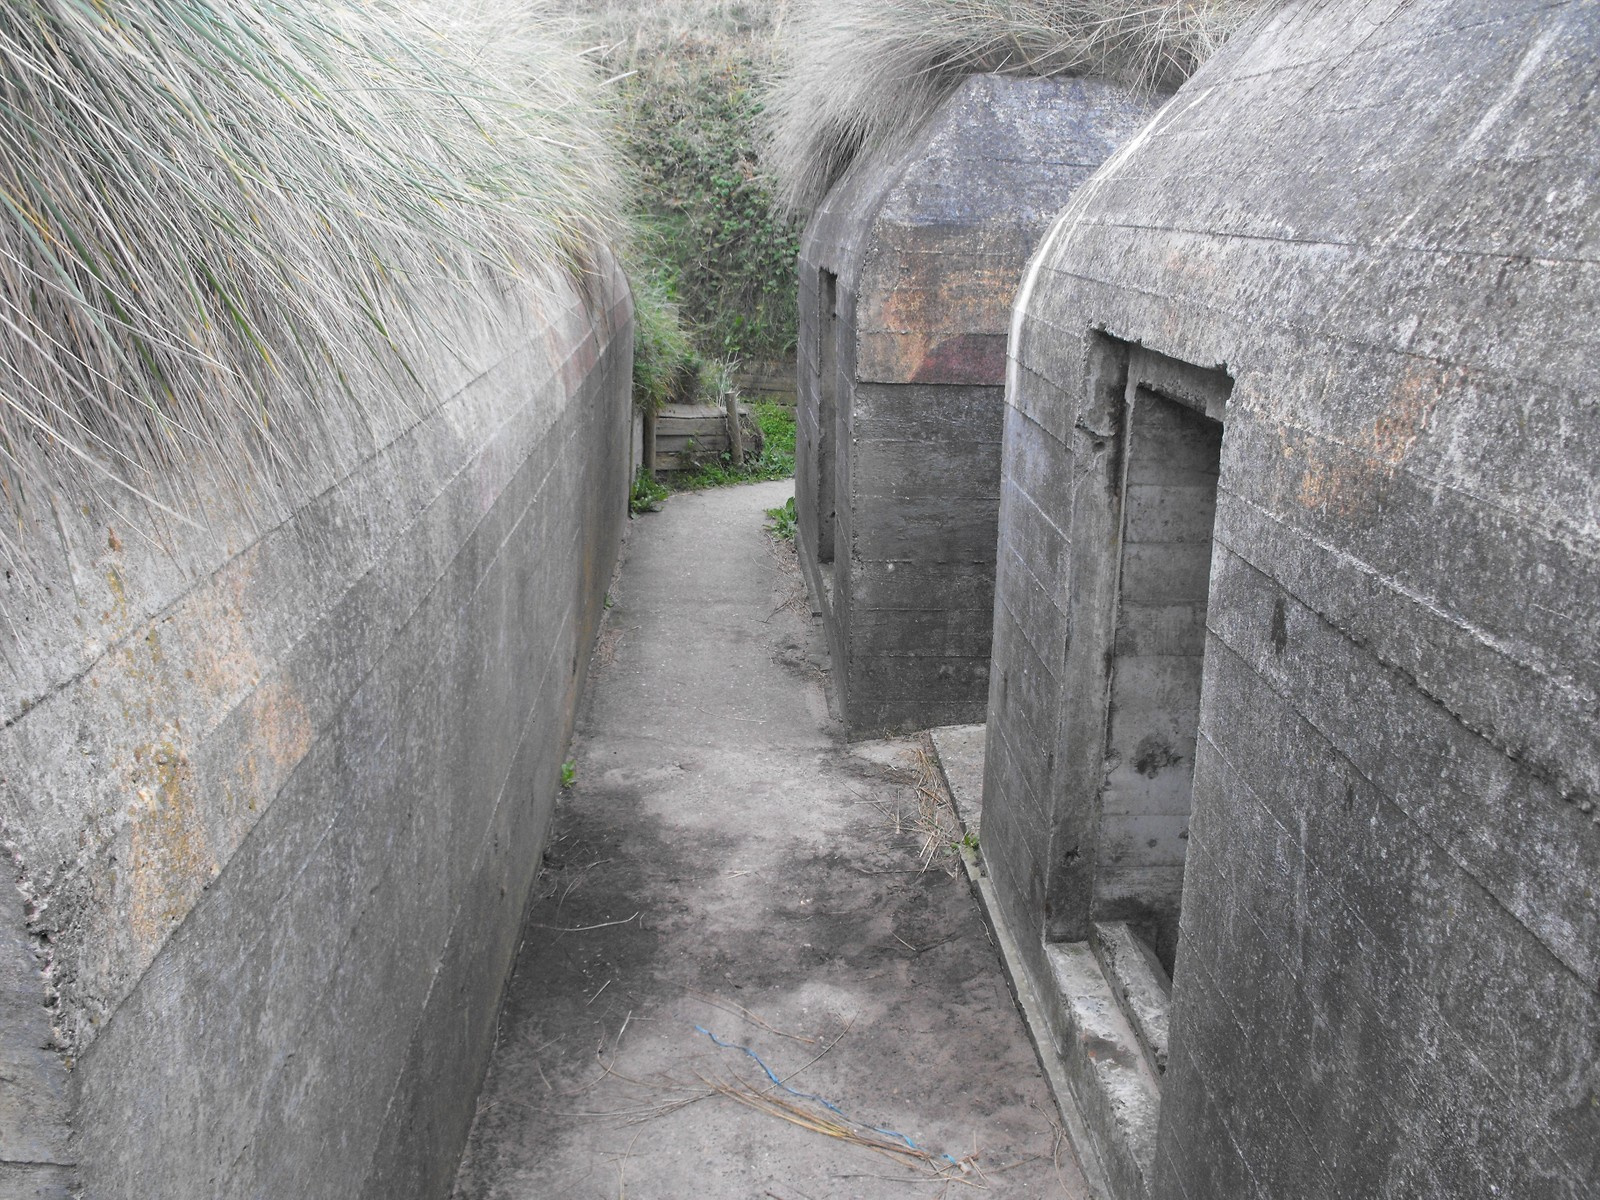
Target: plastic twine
pixel 894 1134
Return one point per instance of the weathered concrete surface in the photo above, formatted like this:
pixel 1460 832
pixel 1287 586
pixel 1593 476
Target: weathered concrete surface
pixel 1110 1081
pixel 725 860
pixel 907 272
pixel 1387 980
pixel 959 749
pixel 272 795
pixel 35 1116
pixel 1091 1021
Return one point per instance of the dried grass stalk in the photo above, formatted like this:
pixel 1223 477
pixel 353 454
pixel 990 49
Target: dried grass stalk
pixel 859 73
pixel 224 221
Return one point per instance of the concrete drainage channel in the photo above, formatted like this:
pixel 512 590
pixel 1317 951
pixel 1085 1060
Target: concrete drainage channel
pixel 1098 1024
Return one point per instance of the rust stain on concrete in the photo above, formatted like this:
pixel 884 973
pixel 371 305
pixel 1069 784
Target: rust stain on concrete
pixel 1350 478
pixel 221 645
pixel 282 724
pixel 1391 436
pixel 180 827
pixel 170 858
pixel 283 733
pixel 967 358
pixel 913 327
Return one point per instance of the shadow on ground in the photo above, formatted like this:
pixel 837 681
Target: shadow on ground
pixel 753 968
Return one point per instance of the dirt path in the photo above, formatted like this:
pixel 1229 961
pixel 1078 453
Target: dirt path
pixel 731 890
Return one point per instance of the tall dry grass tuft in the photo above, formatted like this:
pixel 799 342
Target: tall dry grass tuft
pixel 859 73
pixel 219 219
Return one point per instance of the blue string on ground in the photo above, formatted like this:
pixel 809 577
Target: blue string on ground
pixel 827 1104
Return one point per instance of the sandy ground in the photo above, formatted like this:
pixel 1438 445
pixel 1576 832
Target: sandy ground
pixel 753 967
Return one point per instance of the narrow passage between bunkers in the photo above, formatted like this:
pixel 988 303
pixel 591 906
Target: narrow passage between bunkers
pixel 753 967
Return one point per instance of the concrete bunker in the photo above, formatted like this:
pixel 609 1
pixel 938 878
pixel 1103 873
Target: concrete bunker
pixel 274 796
pixel 907 271
pixel 1384 972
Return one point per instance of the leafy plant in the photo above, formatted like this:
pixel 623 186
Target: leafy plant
pixel 694 131
pixel 646 494
pixel 569 773
pixel 708 237
pixel 783 521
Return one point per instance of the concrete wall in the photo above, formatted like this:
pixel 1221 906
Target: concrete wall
pixel 273 794
pixel 1381 219
pixel 900 401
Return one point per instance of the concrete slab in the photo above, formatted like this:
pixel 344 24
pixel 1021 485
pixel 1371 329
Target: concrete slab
pixel 1119 1094
pixel 1141 986
pixel 959 750
pixel 730 888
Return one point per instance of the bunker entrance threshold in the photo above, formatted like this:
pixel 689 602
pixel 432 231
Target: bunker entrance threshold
pixel 1141 561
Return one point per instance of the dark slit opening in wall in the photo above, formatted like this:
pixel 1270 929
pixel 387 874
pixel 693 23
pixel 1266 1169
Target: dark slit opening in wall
pixel 827 412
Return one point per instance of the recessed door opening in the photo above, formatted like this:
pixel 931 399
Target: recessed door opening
pixel 1171 462
pixel 1149 444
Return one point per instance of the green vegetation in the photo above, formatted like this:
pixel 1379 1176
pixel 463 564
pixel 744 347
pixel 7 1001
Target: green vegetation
pixel 776 460
pixel 690 124
pixel 783 521
pixel 569 773
pixel 223 217
pixel 646 494
pixel 859 73
pixel 711 262
pixel 666 365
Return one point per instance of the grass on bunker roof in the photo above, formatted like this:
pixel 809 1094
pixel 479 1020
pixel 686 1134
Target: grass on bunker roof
pixel 861 73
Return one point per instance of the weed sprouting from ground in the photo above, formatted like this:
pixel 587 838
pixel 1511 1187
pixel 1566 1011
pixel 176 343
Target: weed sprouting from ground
pixel 646 493
pixel 859 73
pixel 783 521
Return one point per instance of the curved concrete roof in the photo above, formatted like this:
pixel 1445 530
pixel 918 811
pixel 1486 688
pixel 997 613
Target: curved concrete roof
pixel 934 234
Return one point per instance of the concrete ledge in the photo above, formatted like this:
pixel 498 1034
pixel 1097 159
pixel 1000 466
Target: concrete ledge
pixel 1116 1090
pixel 958 741
pixel 1035 1016
pixel 1141 986
pixel 1105 1088
pixel 958 749
pixel 35 1181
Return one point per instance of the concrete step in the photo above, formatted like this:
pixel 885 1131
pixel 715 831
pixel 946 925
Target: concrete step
pixel 1140 984
pixel 1112 1080
pixel 1097 1013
